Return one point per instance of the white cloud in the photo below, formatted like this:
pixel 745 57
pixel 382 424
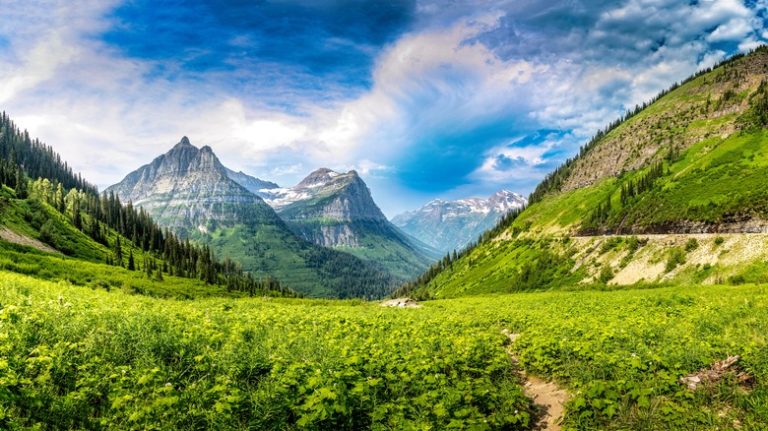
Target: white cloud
pixel 735 29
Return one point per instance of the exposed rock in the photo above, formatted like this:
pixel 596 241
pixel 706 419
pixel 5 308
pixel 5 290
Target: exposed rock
pixel 17 238
pixel 638 142
pixel 325 194
pixel 716 372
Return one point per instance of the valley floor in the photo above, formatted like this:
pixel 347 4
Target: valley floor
pixel 83 358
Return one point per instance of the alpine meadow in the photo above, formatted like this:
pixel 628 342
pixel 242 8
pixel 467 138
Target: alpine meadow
pixel 389 215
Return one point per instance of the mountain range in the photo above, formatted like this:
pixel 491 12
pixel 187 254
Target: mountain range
pixel 453 225
pixel 328 213
pixel 188 190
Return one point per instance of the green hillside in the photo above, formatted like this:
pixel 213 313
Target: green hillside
pixel 38 241
pixel 378 243
pixel 693 162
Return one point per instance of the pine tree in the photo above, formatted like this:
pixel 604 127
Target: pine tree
pixel 118 252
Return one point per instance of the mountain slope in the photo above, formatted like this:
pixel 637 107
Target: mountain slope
pixel 189 190
pixel 336 210
pixel 650 199
pixel 452 225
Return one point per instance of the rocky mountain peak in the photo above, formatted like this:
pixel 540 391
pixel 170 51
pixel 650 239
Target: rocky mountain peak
pixel 320 176
pixel 506 200
pixel 189 187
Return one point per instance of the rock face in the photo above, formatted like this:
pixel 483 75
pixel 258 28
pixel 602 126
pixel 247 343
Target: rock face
pixel 452 225
pixel 325 194
pixel 188 188
pixel 336 210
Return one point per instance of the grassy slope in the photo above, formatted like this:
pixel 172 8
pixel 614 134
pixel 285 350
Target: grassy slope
pixel 385 247
pixel 80 358
pixel 27 216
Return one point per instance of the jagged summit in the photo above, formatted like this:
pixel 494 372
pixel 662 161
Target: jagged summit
pixel 187 187
pixel 324 176
pixel 335 209
pixel 327 193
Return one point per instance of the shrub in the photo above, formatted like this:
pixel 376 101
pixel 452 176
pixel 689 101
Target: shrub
pixel 691 245
pixel 676 258
pixel 606 274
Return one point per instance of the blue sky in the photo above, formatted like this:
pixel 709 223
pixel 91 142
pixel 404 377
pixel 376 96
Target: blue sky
pixel 426 99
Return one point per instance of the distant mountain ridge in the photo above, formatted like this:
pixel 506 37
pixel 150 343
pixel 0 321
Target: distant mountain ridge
pixel 452 225
pixel 188 190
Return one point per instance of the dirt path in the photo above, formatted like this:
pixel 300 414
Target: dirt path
pixel 16 238
pixel 548 396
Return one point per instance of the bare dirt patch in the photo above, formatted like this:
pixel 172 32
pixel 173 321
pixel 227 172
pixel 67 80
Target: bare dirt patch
pixel 401 303
pixel 17 238
pixel 547 396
